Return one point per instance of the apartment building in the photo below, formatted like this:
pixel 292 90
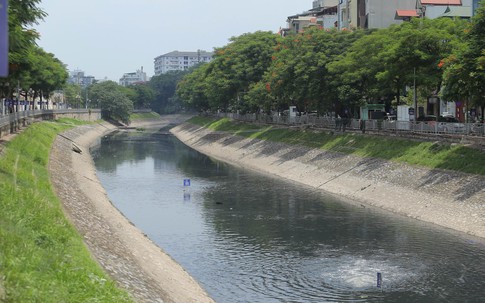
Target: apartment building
pixel 176 60
pixel 383 13
pixel 133 78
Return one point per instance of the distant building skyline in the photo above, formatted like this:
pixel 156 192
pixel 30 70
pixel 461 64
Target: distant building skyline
pixel 78 77
pixel 133 78
pixel 180 61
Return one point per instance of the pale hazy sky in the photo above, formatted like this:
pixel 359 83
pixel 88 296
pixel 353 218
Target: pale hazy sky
pixel 106 38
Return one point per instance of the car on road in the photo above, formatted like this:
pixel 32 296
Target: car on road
pixel 442 124
pixel 449 124
pixel 426 123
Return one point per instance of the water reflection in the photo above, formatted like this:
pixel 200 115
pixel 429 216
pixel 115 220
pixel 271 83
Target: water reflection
pixel 250 238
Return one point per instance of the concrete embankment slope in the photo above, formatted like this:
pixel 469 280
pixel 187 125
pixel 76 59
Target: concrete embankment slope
pixel 124 252
pixel 449 199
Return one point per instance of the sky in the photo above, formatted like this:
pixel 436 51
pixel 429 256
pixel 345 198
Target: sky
pixel 107 38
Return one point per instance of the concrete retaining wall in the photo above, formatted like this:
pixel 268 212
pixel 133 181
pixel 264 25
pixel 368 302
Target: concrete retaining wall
pixel 446 198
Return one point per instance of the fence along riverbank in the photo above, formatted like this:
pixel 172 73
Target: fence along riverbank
pixel 13 122
pixel 467 133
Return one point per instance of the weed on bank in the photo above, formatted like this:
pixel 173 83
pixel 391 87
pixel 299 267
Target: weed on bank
pixel 434 155
pixel 42 257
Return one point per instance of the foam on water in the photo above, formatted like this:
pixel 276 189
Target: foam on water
pixel 360 273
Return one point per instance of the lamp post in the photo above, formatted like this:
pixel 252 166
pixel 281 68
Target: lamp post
pixel 421 11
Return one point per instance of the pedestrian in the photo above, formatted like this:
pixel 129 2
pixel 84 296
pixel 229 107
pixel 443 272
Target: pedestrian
pixel 345 119
pixel 338 123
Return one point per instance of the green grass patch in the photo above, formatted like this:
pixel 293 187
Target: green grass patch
pixel 144 116
pixel 42 256
pixel 73 122
pixel 427 154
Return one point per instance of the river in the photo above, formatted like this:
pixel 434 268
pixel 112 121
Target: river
pixel 247 237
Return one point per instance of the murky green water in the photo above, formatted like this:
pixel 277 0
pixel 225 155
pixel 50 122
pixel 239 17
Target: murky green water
pixel 251 238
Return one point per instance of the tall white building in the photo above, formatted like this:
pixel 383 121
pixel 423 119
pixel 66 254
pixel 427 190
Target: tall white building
pixel 131 78
pixel 180 61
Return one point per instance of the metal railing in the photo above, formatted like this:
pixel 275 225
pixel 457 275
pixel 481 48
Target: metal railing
pixel 20 116
pixel 420 127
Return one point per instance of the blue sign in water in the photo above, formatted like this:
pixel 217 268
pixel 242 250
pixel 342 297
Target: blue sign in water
pixel 379 280
pixel 3 38
pixel 186 182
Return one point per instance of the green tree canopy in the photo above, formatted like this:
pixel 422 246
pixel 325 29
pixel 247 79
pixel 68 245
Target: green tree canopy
pixel 164 86
pixel 233 70
pixel 464 76
pixel 46 75
pixel 31 68
pixel 113 100
pixel 192 89
pixel 299 74
pixel 143 96
pixel 326 70
pixel 380 65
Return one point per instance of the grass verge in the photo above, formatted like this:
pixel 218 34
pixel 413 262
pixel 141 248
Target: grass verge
pixel 434 155
pixel 42 256
pixel 144 116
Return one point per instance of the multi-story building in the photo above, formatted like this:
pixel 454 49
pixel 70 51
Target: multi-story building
pixel 323 14
pixel 445 8
pixel 78 77
pixel 176 60
pixel 133 78
pixel 371 14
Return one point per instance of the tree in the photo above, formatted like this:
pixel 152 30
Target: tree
pixel 299 74
pixel 46 75
pixel 464 76
pixel 234 69
pixel 72 94
pixel 192 89
pixel 31 68
pixel 21 16
pixel 164 86
pixel 422 44
pixel 380 65
pixel 113 100
pixel 143 96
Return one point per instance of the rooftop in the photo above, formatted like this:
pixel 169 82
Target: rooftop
pixel 406 13
pixel 441 2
